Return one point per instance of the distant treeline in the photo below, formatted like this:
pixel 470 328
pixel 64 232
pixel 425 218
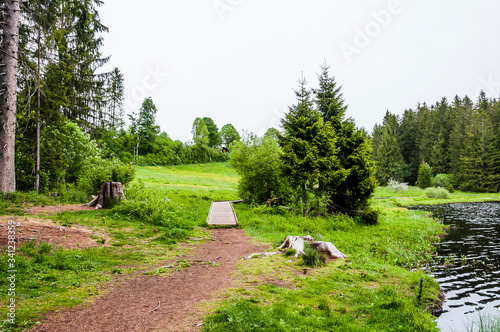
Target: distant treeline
pixel 461 138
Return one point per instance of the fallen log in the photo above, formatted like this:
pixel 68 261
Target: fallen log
pixel 110 194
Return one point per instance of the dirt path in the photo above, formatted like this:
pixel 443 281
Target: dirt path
pixel 156 303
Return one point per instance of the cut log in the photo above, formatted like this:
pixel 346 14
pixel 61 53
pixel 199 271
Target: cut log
pixel 110 194
pixel 327 247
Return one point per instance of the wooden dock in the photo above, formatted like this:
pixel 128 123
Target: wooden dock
pixel 222 214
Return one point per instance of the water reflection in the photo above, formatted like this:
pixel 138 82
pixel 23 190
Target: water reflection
pixel 468 262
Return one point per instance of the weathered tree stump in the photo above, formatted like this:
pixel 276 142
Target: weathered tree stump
pixel 110 194
pixel 327 247
pixel 297 243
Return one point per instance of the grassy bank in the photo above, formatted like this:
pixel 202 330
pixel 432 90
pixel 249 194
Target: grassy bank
pixel 378 288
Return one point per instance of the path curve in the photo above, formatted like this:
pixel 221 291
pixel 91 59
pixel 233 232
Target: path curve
pixel 156 303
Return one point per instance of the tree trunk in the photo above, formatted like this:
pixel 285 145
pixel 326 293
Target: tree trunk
pixel 110 194
pixel 8 95
pixel 37 163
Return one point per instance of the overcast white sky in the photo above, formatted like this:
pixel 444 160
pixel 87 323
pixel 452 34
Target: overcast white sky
pixel 237 61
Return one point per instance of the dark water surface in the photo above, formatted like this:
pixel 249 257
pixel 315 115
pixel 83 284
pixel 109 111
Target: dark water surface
pixel 468 262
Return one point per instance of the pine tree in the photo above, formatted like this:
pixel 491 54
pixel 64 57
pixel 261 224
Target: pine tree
pixel 353 184
pixel 329 100
pixel 389 162
pixel 408 144
pixel 114 98
pixel 8 85
pixel 424 175
pixel 309 152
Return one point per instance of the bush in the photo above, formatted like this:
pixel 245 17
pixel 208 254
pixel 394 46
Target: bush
pixel 258 162
pixel 290 252
pixel 147 206
pixel 437 192
pixel 397 186
pixel 451 189
pixel 101 170
pixel 442 180
pixel 370 216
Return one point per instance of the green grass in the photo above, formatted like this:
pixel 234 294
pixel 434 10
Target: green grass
pixel 377 288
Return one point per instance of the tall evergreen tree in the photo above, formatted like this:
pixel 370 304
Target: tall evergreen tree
pixel 408 144
pixel 309 152
pixel 389 161
pixel 8 85
pixel 354 182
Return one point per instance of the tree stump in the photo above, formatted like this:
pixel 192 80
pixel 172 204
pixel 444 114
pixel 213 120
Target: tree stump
pixel 297 243
pixel 327 247
pixel 110 194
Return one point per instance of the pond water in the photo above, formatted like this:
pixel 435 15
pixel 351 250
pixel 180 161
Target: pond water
pixel 468 263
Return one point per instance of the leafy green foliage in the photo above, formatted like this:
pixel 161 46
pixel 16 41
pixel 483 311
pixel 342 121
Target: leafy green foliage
pixel 442 180
pixel 424 175
pixel 147 207
pixel 257 161
pixel 311 257
pixel 214 137
pixel 144 126
pixel 437 192
pixel 100 171
pixel 229 134
pixel 370 216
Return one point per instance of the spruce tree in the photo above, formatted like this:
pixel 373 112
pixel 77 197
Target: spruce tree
pixel 309 153
pixel 354 183
pixel 389 162
pixel 424 175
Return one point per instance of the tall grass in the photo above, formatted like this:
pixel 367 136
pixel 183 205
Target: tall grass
pixel 485 323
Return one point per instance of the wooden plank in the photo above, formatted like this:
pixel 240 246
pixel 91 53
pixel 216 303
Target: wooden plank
pixel 222 213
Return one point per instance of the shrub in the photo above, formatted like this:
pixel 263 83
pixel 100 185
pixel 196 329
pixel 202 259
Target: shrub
pixel 311 257
pixel 257 161
pixel 397 186
pixel 147 206
pixel 290 252
pixel 451 189
pixel 442 180
pixel 101 170
pixel 424 175
pixel 437 192
pixel 370 216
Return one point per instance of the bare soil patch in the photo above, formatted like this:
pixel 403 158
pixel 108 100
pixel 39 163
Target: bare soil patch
pixel 157 303
pixel 57 208
pixel 30 229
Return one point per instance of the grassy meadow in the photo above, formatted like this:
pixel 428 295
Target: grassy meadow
pixel 381 286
